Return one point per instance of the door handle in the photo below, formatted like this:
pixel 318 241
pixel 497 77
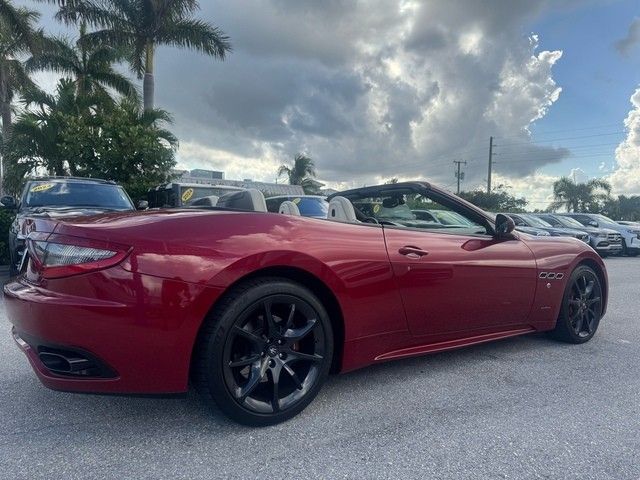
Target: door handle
pixel 413 252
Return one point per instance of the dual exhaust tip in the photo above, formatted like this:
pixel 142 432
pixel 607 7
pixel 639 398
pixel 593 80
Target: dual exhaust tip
pixel 66 365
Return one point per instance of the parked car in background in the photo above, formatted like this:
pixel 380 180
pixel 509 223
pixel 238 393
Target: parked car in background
pixel 314 206
pixel 58 197
pixel 174 195
pixel 629 235
pixel 529 220
pixel 629 224
pixel 604 241
pixel 536 232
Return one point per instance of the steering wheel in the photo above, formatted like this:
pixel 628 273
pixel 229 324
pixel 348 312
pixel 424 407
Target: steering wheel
pixel 370 220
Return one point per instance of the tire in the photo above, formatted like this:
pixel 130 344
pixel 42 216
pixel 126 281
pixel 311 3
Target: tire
pixel 581 308
pixel 264 352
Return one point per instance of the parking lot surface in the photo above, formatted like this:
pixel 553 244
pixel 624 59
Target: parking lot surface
pixel 526 407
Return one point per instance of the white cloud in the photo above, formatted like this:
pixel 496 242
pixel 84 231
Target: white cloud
pixel 371 89
pixel 626 177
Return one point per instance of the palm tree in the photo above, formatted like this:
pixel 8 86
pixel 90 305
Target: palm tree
pixel 91 66
pixel 579 197
pixel 36 136
pixel 13 17
pixel 300 173
pixel 14 44
pixel 140 26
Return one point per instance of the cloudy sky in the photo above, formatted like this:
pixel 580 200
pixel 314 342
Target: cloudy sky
pixel 374 89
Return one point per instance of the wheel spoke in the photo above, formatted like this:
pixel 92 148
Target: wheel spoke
pixel 299 356
pixel 253 338
pixel 574 302
pixel 589 321
pixel 244 361
pixel 297 334
pixel 275 395
pixel 291 314
pixel 593 301
pixel 271 324
pixel 579 323
pixel 589 288
pixel 257 372
pixel 293 375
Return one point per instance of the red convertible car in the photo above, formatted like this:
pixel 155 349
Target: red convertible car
pixel 256 308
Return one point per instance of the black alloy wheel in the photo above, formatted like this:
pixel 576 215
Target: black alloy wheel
pixel 582 307
pixel 266 352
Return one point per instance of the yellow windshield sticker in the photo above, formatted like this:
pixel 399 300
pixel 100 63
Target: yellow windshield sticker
pixel 187 194
pixel 376 208
pixel 43 187
pixel 296 200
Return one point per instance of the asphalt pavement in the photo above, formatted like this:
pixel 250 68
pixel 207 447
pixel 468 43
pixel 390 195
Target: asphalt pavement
pixel 526 407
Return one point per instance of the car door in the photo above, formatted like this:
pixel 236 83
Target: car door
pixel 457 279
pixel 457 283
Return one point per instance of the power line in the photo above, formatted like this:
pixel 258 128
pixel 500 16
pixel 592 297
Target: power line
pixel 567 138
pixel 547 132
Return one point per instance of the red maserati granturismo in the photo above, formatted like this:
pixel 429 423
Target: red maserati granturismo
pixel 256 308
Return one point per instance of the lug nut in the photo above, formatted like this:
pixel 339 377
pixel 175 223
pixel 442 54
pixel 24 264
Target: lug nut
pixel 272 363
pixel 282 356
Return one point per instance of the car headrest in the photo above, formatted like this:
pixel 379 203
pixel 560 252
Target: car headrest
pixel 250 199
pixel 289 208
pixel 341 210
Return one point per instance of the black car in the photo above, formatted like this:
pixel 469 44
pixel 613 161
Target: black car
pixel 57 197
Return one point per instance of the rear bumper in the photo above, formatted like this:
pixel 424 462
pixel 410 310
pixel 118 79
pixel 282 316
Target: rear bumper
pixel 138 330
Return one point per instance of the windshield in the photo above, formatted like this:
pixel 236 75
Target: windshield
pixel 535 221
pixel 450 218
pixel 601 219
pixel 75 194
pixel 569 222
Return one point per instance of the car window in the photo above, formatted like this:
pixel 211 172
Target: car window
pixel 570 222
pixel 518 221
pixel 535 221
pixel 415 212
pixel 554 222
pixel 76 194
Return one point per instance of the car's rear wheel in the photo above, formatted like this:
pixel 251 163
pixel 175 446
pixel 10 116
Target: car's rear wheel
pixel 581 307
pixel 265 351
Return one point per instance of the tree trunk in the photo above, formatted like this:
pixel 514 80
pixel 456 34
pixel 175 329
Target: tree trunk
pixel 148 86
pixel 5 114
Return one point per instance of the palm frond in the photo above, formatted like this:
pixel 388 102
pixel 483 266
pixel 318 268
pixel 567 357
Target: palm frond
pixel 196 35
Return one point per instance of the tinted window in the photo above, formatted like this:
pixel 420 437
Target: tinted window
pixel 552 220
pixel 72 194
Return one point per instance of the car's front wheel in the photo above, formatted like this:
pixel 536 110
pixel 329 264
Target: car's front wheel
pixel 582 307
pixel 265 351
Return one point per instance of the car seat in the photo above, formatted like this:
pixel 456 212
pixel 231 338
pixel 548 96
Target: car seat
pixel 341 210
pixel 289 208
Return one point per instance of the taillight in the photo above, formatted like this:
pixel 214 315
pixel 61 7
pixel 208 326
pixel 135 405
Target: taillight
pixel 58 256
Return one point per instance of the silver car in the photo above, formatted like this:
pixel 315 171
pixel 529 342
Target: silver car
pixel 629 236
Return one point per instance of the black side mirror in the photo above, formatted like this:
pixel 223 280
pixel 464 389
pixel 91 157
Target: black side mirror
pixel 504 225
pixel 9 202
pixel 143 205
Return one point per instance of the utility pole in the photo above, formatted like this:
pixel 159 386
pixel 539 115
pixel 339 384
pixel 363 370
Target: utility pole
pixel 490 164
pixel 459 175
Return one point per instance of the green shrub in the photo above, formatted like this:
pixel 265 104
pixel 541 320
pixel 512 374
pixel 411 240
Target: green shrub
pixel 6 218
